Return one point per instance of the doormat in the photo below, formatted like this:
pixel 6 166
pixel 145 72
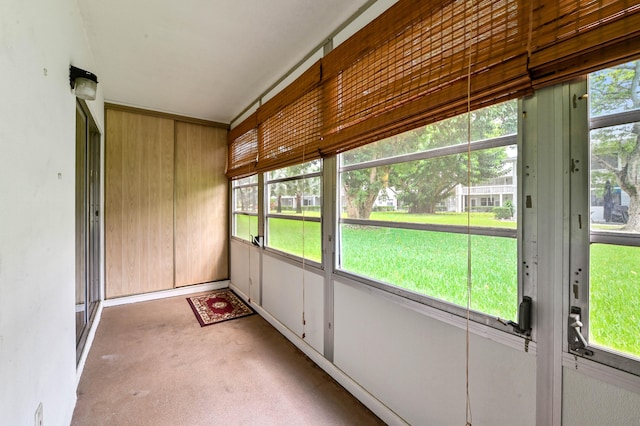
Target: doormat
pixel 218 306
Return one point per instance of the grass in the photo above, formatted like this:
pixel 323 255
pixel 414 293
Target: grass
pixel 615 297
pixel 246 226
pixel 435 264
pixel 476 219
pixel 297 237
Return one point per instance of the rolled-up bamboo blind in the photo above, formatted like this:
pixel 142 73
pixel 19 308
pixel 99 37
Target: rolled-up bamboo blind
pixel 243 148
pixel 412 68
pixel 289 124
pixel 573 37
pixel 409 67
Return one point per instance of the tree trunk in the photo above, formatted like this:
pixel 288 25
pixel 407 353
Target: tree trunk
pixel 628 178
pixel 633 224
pixel 298 203
pixel 279 206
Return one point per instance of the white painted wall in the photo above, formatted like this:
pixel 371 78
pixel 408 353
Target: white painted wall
pixel 588 401
pixel 39 39
pixel 285 294
pixel 240 269
pixel 245 275
pixel 416 365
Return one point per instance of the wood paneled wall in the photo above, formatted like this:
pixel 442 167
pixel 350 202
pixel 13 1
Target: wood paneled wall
pixel 166 203
pixel 139 190
pixel 201 236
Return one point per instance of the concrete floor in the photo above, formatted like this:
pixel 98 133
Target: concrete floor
pixel 152 364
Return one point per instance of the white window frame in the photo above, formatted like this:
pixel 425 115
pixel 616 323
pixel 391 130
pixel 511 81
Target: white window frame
pixel 268 215
pixel 581 234
pixel 235 184
pixel 428 301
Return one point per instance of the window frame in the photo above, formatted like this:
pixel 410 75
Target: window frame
pixel 429 301
pixel 581 237
pixel 235 212
pixel 268 215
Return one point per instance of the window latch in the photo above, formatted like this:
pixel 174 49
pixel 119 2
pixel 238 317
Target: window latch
pixel 577 342
pixel 523 326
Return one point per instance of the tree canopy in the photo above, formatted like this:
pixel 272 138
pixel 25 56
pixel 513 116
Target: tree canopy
pixel 421 185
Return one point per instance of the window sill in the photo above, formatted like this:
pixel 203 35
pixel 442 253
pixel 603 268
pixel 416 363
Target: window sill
pixel 602 372
pixel 478 329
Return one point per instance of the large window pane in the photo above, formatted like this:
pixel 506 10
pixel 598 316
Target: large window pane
pixel 614 207
pixel 246 199
pixel 435 190
pixel 408 203
pixel 298 237
pixel 435 264
pixel 294 210
pixel 245 207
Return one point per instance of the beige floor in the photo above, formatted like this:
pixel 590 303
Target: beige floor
pixel 152 364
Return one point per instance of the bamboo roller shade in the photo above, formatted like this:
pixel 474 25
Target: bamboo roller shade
pixel 414 64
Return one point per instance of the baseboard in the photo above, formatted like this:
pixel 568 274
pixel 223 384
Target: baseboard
pixel 181 291
pixel 372 403
pixel 88 343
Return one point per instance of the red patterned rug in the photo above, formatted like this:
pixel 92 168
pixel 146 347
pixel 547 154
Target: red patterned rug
pixel 218 306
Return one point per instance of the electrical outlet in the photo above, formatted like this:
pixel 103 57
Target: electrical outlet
pixel 38 415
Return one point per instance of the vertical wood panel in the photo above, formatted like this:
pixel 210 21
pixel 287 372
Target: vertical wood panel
pixel 138 203
pixel 201 237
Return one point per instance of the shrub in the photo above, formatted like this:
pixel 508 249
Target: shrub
pixel 503 212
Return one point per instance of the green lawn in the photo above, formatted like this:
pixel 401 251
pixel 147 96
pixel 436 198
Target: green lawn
pixel 476 219
pixel 615 297
pixel 246 226
pixel 435 264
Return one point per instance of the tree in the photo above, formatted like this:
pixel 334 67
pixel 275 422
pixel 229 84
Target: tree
pixel 362 186
pixel 423 184
pixel 296 188
pixel 617 149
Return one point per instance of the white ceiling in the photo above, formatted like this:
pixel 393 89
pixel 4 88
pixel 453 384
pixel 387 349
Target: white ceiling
pixel 203 58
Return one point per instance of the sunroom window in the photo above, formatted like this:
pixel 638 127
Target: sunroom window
pixel 411 206
pixel 605 283
pixel 293 220
pixel 245 207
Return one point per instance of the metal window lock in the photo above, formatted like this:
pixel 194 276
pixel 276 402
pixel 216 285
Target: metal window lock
pixel 577 342
pixel 523 326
